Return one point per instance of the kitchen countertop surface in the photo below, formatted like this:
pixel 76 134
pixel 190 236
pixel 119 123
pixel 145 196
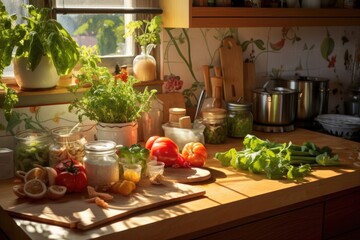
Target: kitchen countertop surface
pixel 230 195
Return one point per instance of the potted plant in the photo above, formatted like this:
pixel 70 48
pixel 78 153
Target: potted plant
pixel 147 34
pixel 114 104
pixel 44 50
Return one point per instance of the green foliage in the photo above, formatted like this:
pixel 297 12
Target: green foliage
pixel 107 100
pixel 145 31
pixel 109 31
pixel 45 36
pixel 277 160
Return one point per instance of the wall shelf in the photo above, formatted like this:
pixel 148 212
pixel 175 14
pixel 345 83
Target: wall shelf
pixel 60 95
pixel 181 14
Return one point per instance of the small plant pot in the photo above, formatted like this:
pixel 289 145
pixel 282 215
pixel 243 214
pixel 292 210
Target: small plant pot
pixel 122 133
pixel 43 77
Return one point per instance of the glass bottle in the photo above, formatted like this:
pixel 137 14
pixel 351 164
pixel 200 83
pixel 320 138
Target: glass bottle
pixel 101 164
pixel 68 144
pixel 144 65
pixel 215 131
pixel 32 148
pixel 239 119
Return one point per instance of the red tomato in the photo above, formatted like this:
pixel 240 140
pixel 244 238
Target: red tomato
pixel 68 164
pixel 195 154
pixel 150 142
pixel 72 175
pixel 165 150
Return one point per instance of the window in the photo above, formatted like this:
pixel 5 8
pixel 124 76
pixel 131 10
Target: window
pixel 102 23
pixel 94 22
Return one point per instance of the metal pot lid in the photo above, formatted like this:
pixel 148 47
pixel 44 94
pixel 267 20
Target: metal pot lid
pixel 275 91
pixel 303 78
pixel 236 106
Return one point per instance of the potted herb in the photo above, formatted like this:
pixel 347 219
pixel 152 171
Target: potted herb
pixel 114 104
pixel 147 34
pixel 44 50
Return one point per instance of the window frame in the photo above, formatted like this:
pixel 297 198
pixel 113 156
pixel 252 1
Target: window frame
pixel 139 12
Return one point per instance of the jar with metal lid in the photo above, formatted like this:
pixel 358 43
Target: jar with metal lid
pixel 32 148
pixel 215 131
pixel 239 119
pixel 68 144
pixel 101 164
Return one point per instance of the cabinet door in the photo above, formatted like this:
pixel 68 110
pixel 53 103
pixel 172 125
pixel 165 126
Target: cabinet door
pixel 342 214
pixel 299 224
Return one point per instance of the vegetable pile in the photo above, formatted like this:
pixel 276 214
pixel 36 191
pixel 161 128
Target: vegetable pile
pixel 193 154
pixel 277 160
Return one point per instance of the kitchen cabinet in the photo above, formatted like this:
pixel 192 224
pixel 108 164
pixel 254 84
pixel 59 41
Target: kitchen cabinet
pixel 181 14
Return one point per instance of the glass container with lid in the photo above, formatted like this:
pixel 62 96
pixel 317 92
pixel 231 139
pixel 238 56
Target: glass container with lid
pixel 239 119
pixel 101 164
pixel 215 131
pixel 32 148
pixel 68 144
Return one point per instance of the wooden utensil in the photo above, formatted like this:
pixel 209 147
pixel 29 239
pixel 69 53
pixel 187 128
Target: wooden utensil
pixel 206 73
pixel 232 70
pixel 249 81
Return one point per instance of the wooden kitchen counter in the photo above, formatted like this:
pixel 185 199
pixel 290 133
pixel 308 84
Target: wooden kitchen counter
pixel 233 201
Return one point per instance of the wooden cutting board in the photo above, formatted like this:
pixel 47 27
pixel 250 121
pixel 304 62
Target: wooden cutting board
pixel 231 59
pixel 186 175
pixel 73 211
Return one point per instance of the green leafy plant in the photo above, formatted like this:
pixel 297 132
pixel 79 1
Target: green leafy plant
pixel 145 31
pixel 47 37
pixel 39 36
pixel 107 100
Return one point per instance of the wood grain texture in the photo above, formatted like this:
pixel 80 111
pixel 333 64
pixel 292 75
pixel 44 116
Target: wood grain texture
pixel 231 196
pixel 73 211
pixel 231 59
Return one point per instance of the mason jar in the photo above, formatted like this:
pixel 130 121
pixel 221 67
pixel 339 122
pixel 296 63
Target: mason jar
pixel 68 143
pixel 239 119
pixel 32 148
pixel 214 120
pixel 101 164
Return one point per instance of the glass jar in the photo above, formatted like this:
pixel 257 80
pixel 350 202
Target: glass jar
pixel 144 65
pixel 32 148
pixel 101 164
pixel 68 144
pixel 239 119
pixel 215 131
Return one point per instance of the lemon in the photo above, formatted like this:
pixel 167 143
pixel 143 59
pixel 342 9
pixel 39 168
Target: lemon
pixel 56 191
pixel 35 188
pixel 132 176
pixel 19 190
pixel 37 173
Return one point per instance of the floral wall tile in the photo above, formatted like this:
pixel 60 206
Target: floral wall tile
pixel 276 51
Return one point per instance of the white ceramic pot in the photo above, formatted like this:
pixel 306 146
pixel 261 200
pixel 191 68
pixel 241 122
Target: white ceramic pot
pixel 125 134
pixel 43 77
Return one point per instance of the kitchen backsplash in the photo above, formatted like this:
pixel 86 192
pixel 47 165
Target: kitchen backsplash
pixel 309 51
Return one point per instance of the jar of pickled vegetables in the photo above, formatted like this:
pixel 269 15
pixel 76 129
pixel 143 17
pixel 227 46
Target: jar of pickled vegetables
pixel 101 164
pixel 32 148
pixel 239 119
pixel 215 131
pixel 68 144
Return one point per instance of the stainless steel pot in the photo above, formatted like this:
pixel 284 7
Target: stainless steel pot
pixel 314 95
pixel 277 106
